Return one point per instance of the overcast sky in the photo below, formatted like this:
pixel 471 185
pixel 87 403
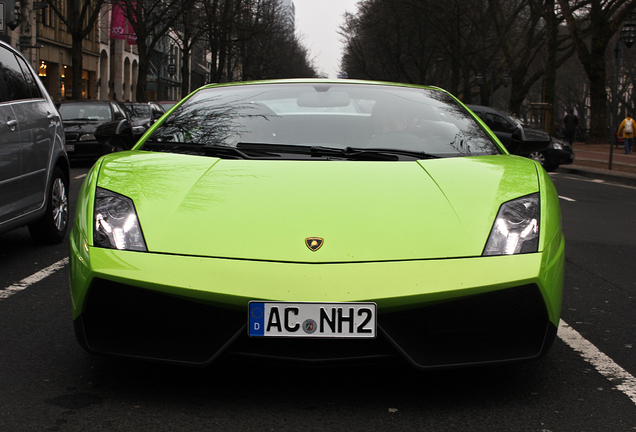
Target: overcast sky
pixel 317 22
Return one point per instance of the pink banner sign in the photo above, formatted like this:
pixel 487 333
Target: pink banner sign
pixel 118 22
pixel 120 27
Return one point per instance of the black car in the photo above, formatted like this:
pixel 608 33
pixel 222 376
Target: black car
pixel 558 153
pixel 167 104
pixel 81 118
pixel 509 129
pixel 143 115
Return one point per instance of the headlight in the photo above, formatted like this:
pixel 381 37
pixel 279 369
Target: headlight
pixel 87 137
pixel 116 224
pixel 516 228
pixel 557 145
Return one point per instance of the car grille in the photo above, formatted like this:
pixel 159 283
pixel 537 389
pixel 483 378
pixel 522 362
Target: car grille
pixel 505 325
pixel 125 320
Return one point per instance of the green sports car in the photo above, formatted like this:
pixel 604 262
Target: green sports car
pixel 317 221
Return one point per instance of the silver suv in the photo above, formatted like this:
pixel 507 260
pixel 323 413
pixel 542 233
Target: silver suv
pixel 34 167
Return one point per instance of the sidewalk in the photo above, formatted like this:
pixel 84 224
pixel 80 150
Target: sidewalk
pixel 592 160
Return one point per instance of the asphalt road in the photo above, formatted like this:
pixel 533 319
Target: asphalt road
pixel 47 383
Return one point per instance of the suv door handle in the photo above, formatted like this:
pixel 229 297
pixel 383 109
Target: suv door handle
pixel 12 124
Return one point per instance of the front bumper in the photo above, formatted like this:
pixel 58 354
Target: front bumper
pixel 561 157
pixel 434 313
pixel 87 150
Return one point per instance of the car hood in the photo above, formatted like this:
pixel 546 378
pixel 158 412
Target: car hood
pixel 364 211
pixel 535 134
pixel 79 126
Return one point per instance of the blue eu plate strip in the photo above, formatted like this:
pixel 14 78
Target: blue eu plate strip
pixel 257 319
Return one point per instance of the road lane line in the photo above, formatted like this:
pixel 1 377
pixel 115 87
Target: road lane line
pixel 599 181
pixel 79 176
pixel 567 199
pixel 28 281
pixel 618 376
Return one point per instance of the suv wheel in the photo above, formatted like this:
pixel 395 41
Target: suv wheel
pixel 542 158
pixel 51 229
pixel 538 156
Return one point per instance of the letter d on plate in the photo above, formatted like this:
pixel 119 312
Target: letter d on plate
pixel 257 319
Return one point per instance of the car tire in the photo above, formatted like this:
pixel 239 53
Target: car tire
pixel 543 159
pixel 51 228
pixel 537 156
pixel 550 166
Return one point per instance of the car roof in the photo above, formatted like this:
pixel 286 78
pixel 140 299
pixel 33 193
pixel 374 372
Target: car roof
pixel 486 109
pixel 87 101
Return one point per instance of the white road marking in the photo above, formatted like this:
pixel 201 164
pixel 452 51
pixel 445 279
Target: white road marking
pixel 599 181
pixel 623 380
pixel 79 176
pixel 618 376
pixel 28 281
pixel 567 199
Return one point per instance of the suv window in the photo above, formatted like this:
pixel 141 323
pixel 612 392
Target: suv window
pixel 15 85
pixel 497 123
pixel 119 112
pixel 31 84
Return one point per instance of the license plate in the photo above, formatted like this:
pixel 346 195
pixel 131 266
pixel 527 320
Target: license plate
pixel 323 320
pixel 70 147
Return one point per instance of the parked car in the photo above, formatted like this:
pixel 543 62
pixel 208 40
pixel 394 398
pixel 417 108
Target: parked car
pixel 558 153
pixel 81 118
pixel 167 104
pixel 398 230
pixel 143 115
pixel 505 126
pixel 34 172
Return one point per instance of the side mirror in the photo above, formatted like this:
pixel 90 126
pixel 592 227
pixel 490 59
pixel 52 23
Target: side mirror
pixel 533 141
pixel 118 134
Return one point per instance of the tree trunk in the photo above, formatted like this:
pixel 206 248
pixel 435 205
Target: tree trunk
pixel 550 64
pixel 185 72
pixel 77 65
pixel 598 99
pixel 144 66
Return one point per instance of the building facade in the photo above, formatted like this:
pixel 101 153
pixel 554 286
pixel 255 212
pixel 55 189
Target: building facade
pixel 110 66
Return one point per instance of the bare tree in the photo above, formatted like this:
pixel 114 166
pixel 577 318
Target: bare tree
pixel 151 20
pixel 602 18
pixel 269 48
pixel 189 28
pixel 79 17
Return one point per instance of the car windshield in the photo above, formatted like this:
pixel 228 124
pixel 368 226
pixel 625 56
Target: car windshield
pixel 329 120
pixel 85 111
pixel 514 119
pixel 139 111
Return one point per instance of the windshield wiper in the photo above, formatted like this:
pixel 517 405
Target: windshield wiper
pixel 347 152
pixel 373 153
pixel 262 150
pixel 195 149
pixel 77 119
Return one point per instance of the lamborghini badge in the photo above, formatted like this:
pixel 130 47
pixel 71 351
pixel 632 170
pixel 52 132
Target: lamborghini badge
pixel 314 243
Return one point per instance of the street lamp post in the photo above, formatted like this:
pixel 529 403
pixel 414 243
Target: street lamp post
pixel 627 37
pixel 505 80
